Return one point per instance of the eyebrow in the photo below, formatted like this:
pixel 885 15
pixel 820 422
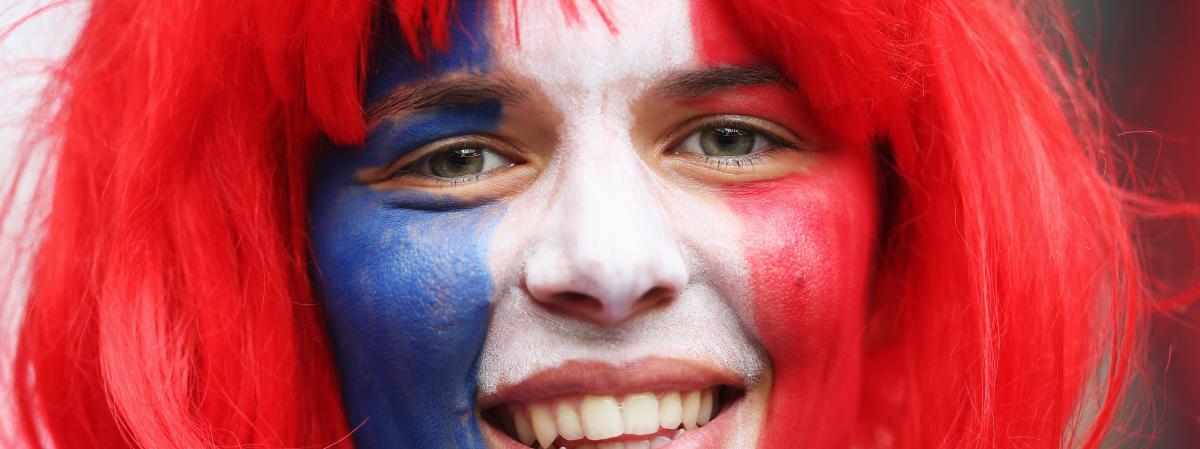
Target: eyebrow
pixel 698 83
pixel 450 92
pixel 474 89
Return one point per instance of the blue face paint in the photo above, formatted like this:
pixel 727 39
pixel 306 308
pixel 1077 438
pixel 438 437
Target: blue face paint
pixel 393 64
pixel 390 140
pixel 403 274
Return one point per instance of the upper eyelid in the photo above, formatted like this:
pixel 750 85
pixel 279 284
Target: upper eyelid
pixel 670 141
pixel 384 172
pixel 766 133
pixel 771 141
pixel 392 171
pixel 674 138
pixel 483 140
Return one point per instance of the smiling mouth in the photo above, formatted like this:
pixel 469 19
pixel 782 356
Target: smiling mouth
pixel 644 420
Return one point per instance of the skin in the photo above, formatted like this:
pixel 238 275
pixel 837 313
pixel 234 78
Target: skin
pixel 601 233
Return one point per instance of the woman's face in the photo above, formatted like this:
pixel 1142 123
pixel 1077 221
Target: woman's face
pixel 588 226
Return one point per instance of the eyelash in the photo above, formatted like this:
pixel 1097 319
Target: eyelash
pixel 453 181
pixel 776 143
pixel 412 168
pixel 739 161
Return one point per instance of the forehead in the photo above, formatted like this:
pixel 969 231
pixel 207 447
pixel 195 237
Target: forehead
pixel 561 46
pixel 593 45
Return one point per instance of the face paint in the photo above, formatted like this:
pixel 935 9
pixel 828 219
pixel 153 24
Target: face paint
pixel 579 255
pixel 628 262
pixel 393 63
pixel 403 273
pixel 810 256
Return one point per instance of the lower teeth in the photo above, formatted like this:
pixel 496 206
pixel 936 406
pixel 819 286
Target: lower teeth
pixel 585 422
pixel 653 443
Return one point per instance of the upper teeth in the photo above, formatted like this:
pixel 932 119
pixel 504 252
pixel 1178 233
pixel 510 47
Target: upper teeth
pixel 604 417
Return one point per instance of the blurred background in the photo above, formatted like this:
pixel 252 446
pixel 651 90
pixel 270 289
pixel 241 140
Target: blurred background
pixel 1146 52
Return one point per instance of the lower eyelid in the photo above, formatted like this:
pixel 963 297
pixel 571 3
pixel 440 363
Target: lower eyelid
pixel 419 167
pixel 768 144
pixel 743 161
pixel 455 181
pixel 464 179
pixel 769 137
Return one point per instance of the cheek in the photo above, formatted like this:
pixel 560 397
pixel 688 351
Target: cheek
pixel 403 275
pixel 407 295
pixel 802 242
pixel 808 240
pixel 392 271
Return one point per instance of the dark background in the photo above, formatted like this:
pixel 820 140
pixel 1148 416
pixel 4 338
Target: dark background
pixel 1148 54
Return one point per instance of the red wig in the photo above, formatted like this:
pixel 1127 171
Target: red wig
pixel 170 304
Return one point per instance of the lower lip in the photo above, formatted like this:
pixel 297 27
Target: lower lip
pixel 710 436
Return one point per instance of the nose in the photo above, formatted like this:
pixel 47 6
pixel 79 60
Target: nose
pixel 608 253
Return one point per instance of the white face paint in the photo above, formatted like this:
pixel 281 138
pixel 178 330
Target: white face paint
pixel 604 258
pixel 651 216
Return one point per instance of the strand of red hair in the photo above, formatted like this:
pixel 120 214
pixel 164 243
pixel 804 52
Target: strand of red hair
pixel 169 302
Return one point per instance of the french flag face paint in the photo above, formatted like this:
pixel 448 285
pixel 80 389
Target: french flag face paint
pixel 585 215
pixel 402 270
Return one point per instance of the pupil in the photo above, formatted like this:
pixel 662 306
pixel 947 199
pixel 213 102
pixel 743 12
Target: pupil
pixel 457 163
pixel 726 141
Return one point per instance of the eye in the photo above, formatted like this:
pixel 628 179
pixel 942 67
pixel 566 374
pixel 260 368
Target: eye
pixel 729 140
pixel 731 148
pixel 726 141
pixel 456 164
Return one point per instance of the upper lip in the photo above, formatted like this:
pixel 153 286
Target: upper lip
pixel 601 378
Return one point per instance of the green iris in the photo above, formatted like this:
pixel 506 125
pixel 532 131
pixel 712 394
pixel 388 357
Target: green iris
pixel 456 163
pixel 726 141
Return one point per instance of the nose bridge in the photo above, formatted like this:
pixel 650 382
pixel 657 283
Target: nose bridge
pixel 614 245
pixel 612 222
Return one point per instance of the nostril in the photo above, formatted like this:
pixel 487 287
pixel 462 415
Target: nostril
pixel 591 308
pixel 589 277
pixel 580 305
pixel 657 295
pixel 574 298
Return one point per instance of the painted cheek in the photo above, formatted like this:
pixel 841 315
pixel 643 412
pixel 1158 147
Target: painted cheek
pixel 808 240
pixel 807 243
pixel 407 294
pixel 403 274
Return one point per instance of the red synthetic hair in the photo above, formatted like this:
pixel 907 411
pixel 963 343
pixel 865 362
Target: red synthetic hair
pixel 170 304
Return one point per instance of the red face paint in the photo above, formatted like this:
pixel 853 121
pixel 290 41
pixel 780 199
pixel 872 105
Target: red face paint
pixel 808 240
pixel 808 243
